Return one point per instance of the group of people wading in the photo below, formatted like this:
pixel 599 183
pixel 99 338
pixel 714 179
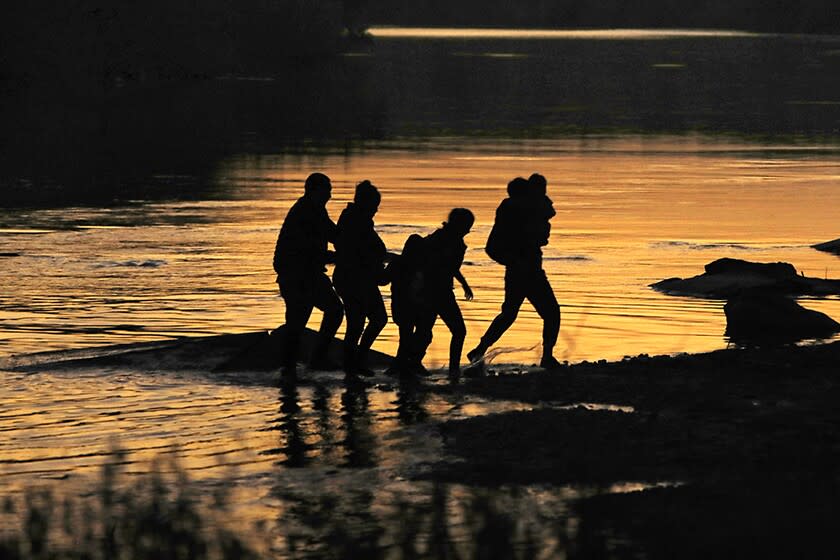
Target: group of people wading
pixel 421 277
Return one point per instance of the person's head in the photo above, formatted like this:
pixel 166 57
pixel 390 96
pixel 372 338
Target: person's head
pixel 318 188
pixel 367 198
pixel 518 188
pixel 538 184
pixel 460 221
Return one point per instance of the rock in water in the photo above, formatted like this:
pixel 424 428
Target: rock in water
pixel 829 246
pixel 253 352
pixel 776 270
pixel 769 317
pixel 265 353
pixel 726 278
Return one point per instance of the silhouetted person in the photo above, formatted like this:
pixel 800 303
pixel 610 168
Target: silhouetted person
pixel 359 269
pixel 444 251
pixel 300 259
pixel 520 231
pixel 407 278
pixel 543 209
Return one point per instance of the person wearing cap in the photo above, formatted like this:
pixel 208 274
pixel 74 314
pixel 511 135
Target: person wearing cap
pixel 300 259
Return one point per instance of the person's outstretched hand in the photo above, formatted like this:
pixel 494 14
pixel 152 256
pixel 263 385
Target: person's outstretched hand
pixel 468 293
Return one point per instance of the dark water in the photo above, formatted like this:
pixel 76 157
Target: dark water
pixel 167 199
pixel 664 150
pixel 163 140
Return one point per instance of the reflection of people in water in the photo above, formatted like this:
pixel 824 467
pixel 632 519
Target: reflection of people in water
pixel 321 406
pixel 311 434
pixel 295 445
pixel 443 255
pixel 410 401
pixel 359 441
pixel 359 269
pixel 300 257
pixel 336 516
pixel 520 231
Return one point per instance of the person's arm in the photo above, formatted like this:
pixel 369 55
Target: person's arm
pixel 332 228
pixel 468 293
pixel 343 236
pixel 287 248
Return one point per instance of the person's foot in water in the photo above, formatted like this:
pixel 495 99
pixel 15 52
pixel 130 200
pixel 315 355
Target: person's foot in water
pixel 550 363
pixel 357 366
pixel 406 367
pixel 475 370
pixel 359 371
pixel 288 375
pixel 476 355
pixel 324 364
pixel 354 381
pixel 454 372
pixel 418 369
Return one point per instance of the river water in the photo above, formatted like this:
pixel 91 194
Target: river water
pixel 663 151
pixel 630 211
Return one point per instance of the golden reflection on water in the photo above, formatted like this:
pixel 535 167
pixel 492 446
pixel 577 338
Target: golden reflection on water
pixel 630 212
pixel 273 451
pixel 597 34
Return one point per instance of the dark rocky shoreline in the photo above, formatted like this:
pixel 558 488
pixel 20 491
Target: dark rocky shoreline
pixel 748 438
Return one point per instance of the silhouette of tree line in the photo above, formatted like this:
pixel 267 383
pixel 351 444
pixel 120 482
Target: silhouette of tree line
pixel 816 16
pixel 69 41
pixel 79 40
pixel 72 40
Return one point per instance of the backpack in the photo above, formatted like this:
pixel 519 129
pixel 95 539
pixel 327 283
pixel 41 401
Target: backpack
pixel 403 268
pixel 407 280
pixel 496 248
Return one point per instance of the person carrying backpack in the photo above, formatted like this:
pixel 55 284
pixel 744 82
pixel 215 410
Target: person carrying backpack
pixel 444 251
pixel 520 230
pixel 421 290
pixel 407 278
